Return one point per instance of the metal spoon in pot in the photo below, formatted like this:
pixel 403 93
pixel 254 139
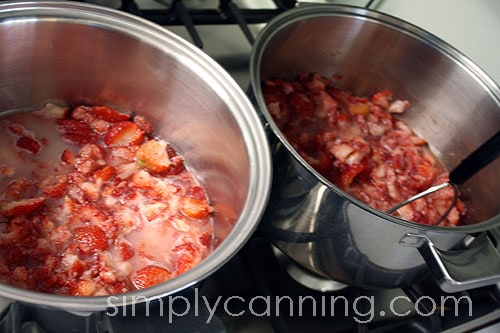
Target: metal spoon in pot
pixel 485 154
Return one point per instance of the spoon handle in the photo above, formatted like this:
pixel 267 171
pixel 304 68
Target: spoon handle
pixel 478 159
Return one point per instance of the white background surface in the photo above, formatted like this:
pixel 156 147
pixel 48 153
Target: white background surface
pixel 471 26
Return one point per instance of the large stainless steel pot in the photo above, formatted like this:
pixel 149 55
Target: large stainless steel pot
pixel 70 53
pixel 455 106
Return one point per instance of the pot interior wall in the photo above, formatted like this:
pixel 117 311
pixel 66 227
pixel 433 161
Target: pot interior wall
pixel 453 104
pixel 72 61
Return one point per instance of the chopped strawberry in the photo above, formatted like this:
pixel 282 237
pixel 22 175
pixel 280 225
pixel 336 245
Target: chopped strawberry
pixel 196 192
pixel 206 239
pixel 83 113
pixel 90 239
pixel 28 144
pixel 194 208
pixel 123 133
pixel 19 188
pixel 149 276
pixel 55 186
pixel 76 132
pixel 52 111
pixel 20 273
pixel 105 173
pixel 68 157
pixel 382 98
pixel 100 126
pixel 153 210
pixel 83 288
pixel 144 124
pixel 349 173
pixel 188 255
pixel 77 268
pixel 126 250
pixel 92 152
pixel 153 157
pixel 87 213
pixel 74 126
pixel 21 207
pixel 109 114
pixel 117 287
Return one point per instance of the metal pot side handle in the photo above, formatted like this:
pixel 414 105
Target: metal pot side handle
pixel 475 266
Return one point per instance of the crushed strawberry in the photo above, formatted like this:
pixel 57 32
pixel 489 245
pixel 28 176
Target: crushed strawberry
pixel 105 173
pixel 153 157
pixel 108 114
pixel 188 255
pixel 21 207
pixel 94 220
pixel 358 145
pixel 28 144
pixel 67 157
pixel 126 250
pixel 144 124
pixel 84 288
pixel 197 209
pixel 90 239
pixel 76 132
pixel 74 126
pixel 123 133
pixel 149 276
pixel 55 186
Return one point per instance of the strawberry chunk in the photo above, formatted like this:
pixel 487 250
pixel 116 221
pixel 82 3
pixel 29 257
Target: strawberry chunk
pixel 90 239
pixel 123 133
pixel 106 172
pixel 77 132
pixel 149 276
pixel 55 186
pixel 52 111
pixel 74 126
pixel 144 124
pixel 28 144
pixel 83 288
pixel 194 208
pixel 188 256
pixel 153 157
pixel 108 114
pixel 21 207
pixel 206 239
pixel 126 250
pixel 67 157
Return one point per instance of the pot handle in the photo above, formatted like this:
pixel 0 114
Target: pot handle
pixel 476 266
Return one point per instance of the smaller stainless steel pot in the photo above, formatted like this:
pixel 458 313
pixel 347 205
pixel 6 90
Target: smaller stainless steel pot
pixel 455 106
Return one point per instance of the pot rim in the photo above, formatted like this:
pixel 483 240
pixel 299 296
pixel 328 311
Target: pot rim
pixel 252 131
pixel 307 11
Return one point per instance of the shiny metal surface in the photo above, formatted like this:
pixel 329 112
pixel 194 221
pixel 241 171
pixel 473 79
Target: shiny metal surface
pixel 448 266
pixel 70 53
pixel 455 106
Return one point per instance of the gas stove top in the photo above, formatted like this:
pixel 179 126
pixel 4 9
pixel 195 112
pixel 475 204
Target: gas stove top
pixel 259 290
